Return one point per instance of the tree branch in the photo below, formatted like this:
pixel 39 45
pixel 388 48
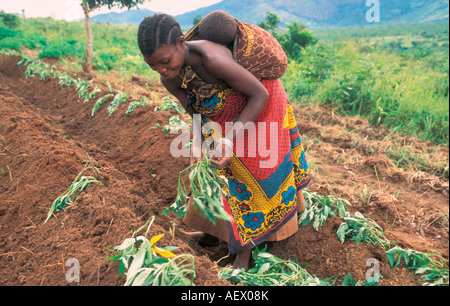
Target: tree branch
pixel 94 8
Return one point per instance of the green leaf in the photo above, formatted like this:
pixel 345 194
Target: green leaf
pixel 342 231
pixel 406 257
pixel 373 281
pixel 348 281
pixel 99 102
pixel 423 270
pixel 265 255
pixel 121 268
pixel 316 223
pixel 264 268
pixel 235 272
pixel 118 99
pixel 360 236
pixel 326 211
pixel 142 277
pixel 306 222
pixel 391 257
pixel 136 265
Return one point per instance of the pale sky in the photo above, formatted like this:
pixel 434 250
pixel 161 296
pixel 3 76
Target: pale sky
pixel 70 9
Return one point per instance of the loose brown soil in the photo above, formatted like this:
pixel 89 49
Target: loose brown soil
pixel 46 132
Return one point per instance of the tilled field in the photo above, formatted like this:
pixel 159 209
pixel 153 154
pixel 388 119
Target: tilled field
pixel 46 133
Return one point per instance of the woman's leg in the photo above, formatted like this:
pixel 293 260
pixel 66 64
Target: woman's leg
pixel 202 238
pixel 300 202
pixel 242 259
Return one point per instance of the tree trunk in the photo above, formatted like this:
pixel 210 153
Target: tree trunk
pixel 87 67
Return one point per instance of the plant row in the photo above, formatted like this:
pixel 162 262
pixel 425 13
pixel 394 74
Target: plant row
pixel 86 90
pixel 430 266
pixel 146 264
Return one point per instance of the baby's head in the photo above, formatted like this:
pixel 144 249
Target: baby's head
pixel 219 27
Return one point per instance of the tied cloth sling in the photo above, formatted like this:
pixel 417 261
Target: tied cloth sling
pixel 268 165
pixel 253 48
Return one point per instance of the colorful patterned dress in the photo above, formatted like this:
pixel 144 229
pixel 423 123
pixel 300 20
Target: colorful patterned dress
pixel 268 166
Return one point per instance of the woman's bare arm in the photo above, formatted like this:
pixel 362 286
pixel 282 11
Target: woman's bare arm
pixel 222 66
pixel 214 62
pixel 174 87
pixel 217 62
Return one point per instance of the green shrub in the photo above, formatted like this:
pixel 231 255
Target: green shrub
pixel 306 73
pixel 35 42
pixel 348 89
pixel 11 43
pixel 5 32
pixel 104 62
pixel 9 20
pixel 295 39
pixel 59 49
pixel 107 60
pixel 402 93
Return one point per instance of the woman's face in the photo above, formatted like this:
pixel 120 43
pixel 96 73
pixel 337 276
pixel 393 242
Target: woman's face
pixel 168 60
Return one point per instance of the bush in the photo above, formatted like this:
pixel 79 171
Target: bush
pixel 404 94
pixel 270 23
pixel 306 73
pixel 295 39
pixel 107 60
pixel 9 20
pixel 59 49
pixel 16 39
pixel 35 41
pixel 349 88
pixel 11 43
pixel 5 32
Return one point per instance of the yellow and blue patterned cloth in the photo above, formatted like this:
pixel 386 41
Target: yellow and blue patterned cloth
pixel 269 164
pixel 260 199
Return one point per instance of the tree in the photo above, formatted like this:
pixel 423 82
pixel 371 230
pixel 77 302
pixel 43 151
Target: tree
pixel 295 39
pixel 91 5
pixel 197 19
pixel 270 23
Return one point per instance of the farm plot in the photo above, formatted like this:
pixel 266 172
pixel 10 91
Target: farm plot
pixel 47 131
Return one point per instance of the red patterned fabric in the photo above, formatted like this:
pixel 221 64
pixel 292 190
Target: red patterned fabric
pixel 260 199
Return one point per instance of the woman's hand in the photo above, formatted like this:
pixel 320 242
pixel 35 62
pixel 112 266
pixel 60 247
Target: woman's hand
pixel 196 154
pixel 195 160
pixel 221 157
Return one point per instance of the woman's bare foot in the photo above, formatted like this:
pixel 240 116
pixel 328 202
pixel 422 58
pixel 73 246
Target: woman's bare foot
pixel 202 238
pixel 242 260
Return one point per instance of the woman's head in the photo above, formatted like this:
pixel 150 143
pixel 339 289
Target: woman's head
pixel 161 42
pixel 156 31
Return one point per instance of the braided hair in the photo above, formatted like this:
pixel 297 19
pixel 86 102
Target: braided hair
pixel 156 31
